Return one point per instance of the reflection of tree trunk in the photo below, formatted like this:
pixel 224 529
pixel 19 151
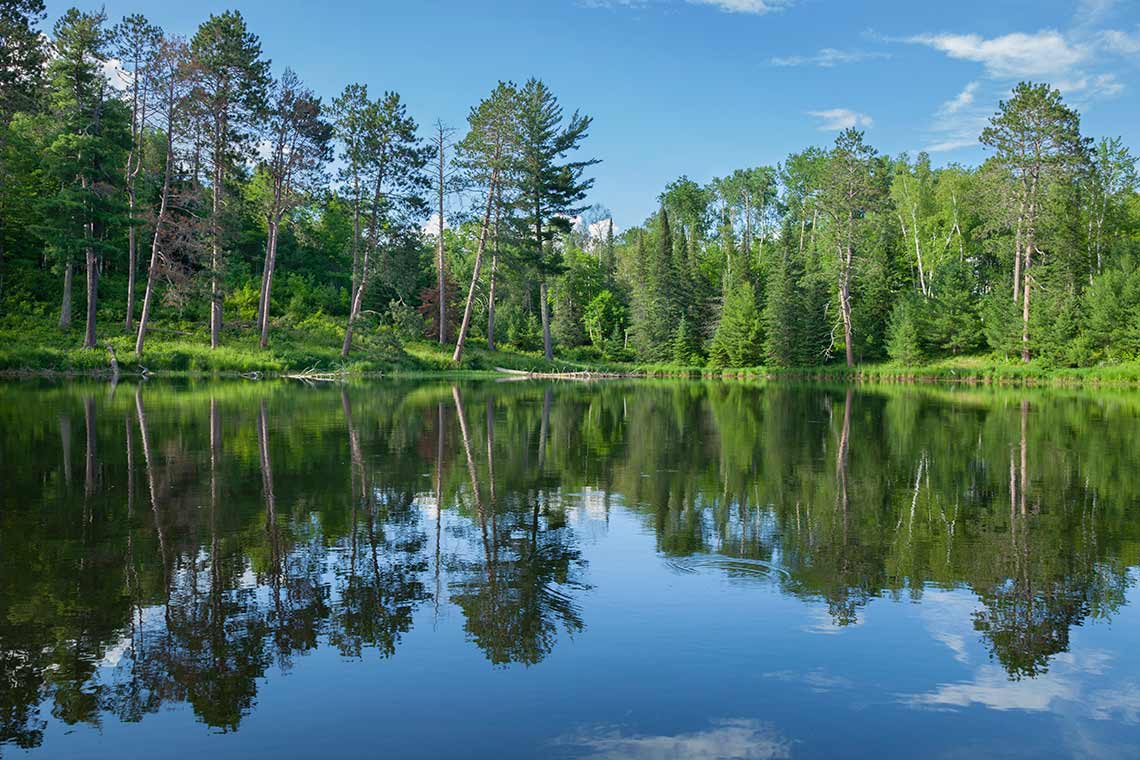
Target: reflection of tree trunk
pixel 841 462
pixel 1024 453
pixel 472 473
pixel 491 448
pixel 89 455
pixel 270 512
pixel 140 412
pixel 356 478
pixel 1012 496
pixel 544 426
pixel 65 445
pixel 355 451
pixel 438 498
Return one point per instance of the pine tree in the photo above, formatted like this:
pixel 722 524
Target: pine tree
pixel 232 95
pixel 551 188
pixel 738 341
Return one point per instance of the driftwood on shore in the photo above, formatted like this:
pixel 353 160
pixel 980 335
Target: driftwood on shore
pixel 582 375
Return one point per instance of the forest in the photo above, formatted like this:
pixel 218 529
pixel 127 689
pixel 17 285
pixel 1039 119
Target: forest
pixel 184 199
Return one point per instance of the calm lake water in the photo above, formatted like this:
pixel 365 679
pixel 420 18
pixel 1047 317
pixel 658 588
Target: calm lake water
pixel 611 570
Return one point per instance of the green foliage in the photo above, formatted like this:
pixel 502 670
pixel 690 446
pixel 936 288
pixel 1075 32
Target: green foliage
pixel 954 325
pixel 605 316
pixel 903 335
pixel 738 338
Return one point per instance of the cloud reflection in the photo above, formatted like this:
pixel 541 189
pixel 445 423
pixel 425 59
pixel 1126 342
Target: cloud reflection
pixel 728 739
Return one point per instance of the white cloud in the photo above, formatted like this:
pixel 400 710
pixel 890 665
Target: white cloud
pixel 431 226
pixel 1120 42
pixel 827 57
pixel 835 119
pixel 1091 11
pixel 754 7
pixel 1044 53
pixel 758 7
pixel 961 100
pixel 118 77
pixel 734 739
pixel 948 144
pixel 1091 86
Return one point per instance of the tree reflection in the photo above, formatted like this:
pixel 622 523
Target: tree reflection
pixel 216 535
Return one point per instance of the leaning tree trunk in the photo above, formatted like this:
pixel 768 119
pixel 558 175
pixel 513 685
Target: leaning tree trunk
pixel 845 304
pixel 476 269
pixel 354 310
pixel 494 272
pixel 270 265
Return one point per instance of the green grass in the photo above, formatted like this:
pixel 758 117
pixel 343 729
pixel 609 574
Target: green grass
pixel 30 345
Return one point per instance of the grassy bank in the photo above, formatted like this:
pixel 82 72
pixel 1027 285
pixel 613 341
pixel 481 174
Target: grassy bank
pixel 33 348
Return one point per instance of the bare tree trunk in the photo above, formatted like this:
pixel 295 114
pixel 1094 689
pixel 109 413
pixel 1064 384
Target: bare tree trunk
pixel 1017 244
pixel 544 308
pixel 132 263
pixel 215 242
pixel 65 304
pixel 354 311
pixel 92 291
pixel 1025 306
pixel 845 257
pixel 494 273
pixel 267 287
pixel 152 269
pixel 439 262
pixel 475 271
pixel 355 230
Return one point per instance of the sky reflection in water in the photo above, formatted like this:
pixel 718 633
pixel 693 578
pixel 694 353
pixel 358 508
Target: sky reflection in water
pixel 645 570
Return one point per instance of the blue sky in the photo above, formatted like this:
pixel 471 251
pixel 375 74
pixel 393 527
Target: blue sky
pixel 700 87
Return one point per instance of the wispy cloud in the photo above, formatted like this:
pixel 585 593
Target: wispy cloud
pixel 828 57
pixel 754 7
pixel 1044 53
pixel 758 7
pixel 962 100
pixel 835 119
pixel 1121 42
pixel 1091 86
pixel 732 739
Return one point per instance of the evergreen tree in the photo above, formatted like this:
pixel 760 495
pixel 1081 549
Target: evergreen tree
pixel 551 187
pixel 231 93
pixel 955 325
pixel 86 149
pixel 738 341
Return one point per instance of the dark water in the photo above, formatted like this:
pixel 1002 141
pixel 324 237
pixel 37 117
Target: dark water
pixel 649 570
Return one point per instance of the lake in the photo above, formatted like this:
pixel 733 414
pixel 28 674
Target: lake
pixel 620 569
